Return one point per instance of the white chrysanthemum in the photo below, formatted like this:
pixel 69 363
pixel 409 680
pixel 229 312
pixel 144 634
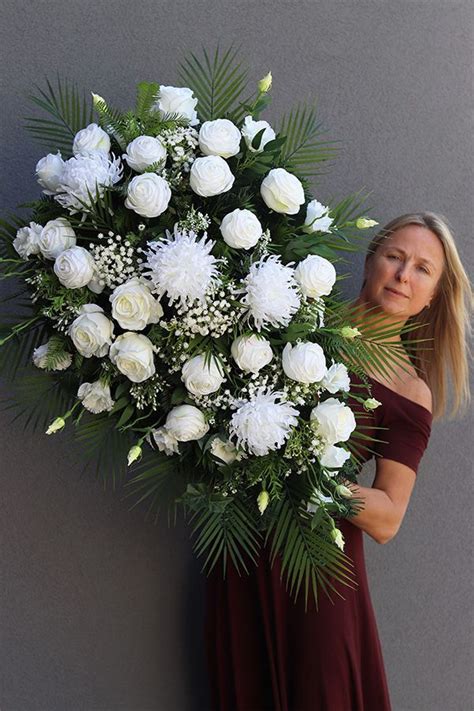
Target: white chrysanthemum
pixel 271 293
pixel 262 424
pixel 182 267
pixel 91 172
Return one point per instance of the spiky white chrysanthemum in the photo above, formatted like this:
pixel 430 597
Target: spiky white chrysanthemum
pixel 263 423
pixel 93 172
pixel 182 267
pixel 271 293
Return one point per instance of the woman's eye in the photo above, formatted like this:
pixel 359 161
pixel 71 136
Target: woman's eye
pixel 392 256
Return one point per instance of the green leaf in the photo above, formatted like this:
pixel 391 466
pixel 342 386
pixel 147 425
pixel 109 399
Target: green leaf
pixel 304 149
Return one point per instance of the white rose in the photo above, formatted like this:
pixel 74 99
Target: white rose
pixel 26 241
pixel 251 353
pixel 304 362
pixel 225 450
pixel 148 195
pixel 40 356
pixel 210 176
pixel 333 457
pixel 336 378
pixel 282 191
pixel 133 305
pixel 92 331
pixel 250 130
pixel 179 100
pixel 91 138
pixel 241 229
pixel 186 422
pixel 316 276
pixel 219 138
pixel 317 218
pixel 143 152
pixel 132 353
pixel 165 441
pixel 56 236
pixel 335 420
pixel 74 267
pixel 49 171
pixel 201 378
pixel 95 397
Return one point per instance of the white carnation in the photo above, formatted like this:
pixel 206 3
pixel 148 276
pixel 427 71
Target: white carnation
pixel 202 378
pixel 336 378
pixel 165 441
pixel 95 397
pixel 26 241
pixel 271 293
pixel 251 353
pixel 92 332
pixel 148 195
pixel 74 267
pixel 143 152
pixel 181 266
pixel 210 176
pixel 40 357
pixel 132 353
pixel 133 305
pixel 304 362
pixel 49 171
pixel 335 420
pixel 56 236
pixel 91 138
pixel 179 100
pixel 250 130
pixel 241 229
pixel 262 424
pixel 316 276
pixel 87 173
pixel 186 423
pixel 219 138
pixel 283 192
pixel 317 218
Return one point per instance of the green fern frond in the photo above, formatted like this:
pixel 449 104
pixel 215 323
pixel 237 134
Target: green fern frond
pixel 146 97
pixel 303 149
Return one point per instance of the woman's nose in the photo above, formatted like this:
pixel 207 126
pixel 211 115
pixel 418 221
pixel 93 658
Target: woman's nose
pixel 402 273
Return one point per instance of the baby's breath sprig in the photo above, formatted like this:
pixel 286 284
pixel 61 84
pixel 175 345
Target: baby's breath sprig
pixel 304 445
pixel 194 221
pixel 115 259
pixel 60 305
pixel 147 394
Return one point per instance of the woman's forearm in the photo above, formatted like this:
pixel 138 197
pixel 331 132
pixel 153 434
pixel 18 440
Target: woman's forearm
pixel 377 515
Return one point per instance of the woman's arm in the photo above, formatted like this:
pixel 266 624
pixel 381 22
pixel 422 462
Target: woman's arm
pixel 386 502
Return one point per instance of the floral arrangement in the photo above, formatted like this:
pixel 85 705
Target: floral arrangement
pixel 183 313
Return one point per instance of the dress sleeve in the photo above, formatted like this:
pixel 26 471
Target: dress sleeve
pixel 408 433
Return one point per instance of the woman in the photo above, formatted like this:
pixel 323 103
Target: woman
pixel 265 652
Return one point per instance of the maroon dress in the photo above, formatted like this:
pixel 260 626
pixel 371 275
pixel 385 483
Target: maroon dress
pixel 265 653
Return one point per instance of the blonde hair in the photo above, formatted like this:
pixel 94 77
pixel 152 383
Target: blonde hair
pixel 446 323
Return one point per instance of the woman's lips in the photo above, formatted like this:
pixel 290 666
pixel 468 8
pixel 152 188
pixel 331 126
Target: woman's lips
pixel 396 293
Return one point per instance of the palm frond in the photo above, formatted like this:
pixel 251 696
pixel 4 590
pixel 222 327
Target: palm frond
pixel 69 111
pixel 303 149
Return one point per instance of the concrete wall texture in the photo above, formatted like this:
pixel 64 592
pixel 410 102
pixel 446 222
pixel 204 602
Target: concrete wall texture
pixel 101 610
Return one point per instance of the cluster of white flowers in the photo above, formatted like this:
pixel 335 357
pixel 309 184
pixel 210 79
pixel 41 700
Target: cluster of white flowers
pixel 215 317
pixel 181 144
pixel 115 259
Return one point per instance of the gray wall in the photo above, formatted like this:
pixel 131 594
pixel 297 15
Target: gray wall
pixel 100 609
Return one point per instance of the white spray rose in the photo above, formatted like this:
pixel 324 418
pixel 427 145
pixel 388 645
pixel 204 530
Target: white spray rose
pixel 26 241
pixel 282 191
pixel 337 378
pixel 49 171
pixel 186 423
pixel 40 356
pixel 210 176
pixel 262 424
pixel 304 362
pixel 225 450
pixel 95 397
pixel 201 378
pixel 165 441
pixel 143 152
pixel 250 130
pixel 74 267
pixel 333 457
pixel 317 218
pixel 132 353
pixel 91 138
pixel 335 420
pixel 251 353
pixel 179 100
pixel 56 236
pixel 92 331
pixel 219 138
pixel 133 305
pixel 241 229
pixel 148 195
pixel 316 276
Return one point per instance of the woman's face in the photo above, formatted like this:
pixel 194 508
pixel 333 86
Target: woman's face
pixel 403 273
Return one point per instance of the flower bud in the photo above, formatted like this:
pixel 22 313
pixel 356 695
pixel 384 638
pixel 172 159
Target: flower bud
pixel 349 333
pixel 363 223
pixel 134 454
pixel 338 538
pixel 265 84
pixel 96 99
pixel 342 490
pixel 262 501
pixel 371 403
pixel 56 425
